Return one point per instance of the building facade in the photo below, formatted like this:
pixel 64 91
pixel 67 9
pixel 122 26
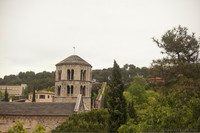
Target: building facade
pixel 14 90
pixel 73 77
pixel 42 96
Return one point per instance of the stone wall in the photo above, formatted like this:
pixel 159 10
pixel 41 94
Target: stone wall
pixel 49 122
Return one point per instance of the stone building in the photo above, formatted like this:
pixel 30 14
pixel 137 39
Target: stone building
pixel 15 90
pixel 72 95
pixel 50 115
pixel 42 96
pixel 73 77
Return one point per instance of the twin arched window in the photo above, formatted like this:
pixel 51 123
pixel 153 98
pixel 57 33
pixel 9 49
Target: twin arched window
pixel 83 75
pixel 70 90
pixel 70 74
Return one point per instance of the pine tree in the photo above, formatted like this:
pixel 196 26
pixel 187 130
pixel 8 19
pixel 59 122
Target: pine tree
pixel 6 96
pixel 33 99
pixel 116 102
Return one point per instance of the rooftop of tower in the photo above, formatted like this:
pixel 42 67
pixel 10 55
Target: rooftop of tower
pixel 73 60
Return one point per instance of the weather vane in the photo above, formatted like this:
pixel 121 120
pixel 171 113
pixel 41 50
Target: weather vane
pixel 74 50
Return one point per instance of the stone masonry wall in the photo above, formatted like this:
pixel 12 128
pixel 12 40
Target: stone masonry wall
pixel 49 122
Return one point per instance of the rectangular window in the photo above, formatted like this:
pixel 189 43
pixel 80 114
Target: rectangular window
pixel 42 96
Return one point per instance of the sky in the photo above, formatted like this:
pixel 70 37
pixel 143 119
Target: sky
pixel 37 34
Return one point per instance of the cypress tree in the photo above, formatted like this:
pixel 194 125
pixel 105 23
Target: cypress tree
pixel 6 96
pixel 33 99
pixel 116 102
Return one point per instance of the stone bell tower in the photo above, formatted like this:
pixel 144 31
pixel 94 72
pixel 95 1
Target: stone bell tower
pixel 73 77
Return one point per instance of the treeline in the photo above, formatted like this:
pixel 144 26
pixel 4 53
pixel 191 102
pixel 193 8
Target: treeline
pixel 172 105
pixel 39 81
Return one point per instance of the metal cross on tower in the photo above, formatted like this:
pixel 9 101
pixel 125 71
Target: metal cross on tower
pixel 74 50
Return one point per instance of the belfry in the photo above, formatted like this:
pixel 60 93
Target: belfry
pixel 73 77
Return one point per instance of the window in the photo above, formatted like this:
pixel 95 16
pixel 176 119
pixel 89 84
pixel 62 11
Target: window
pixel 72 77
pixel 81 76
pixel 30 97
pixel 68 90
pixel 59 74
pixel 72 90
pixel 82 90
pixel 42 96
pixel 68 74
pixel 48 96
pixel 59 88
pixel 84 75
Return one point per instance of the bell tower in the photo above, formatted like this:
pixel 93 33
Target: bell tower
pixel 73 77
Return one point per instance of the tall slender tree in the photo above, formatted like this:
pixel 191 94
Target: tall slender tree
pixel 6 96
pixel 116 102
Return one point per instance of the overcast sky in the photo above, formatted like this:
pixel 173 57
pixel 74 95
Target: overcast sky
pixel 37 34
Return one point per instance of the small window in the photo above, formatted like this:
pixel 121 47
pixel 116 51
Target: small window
pixel 81 76
pixel 59 74
pixel 42 96
pixel 59 88
pixel 48 96
pixel 68 74
pixel 68 90
pixel 72 89
pixel 84 75
pixel 82 90
pixel 72 77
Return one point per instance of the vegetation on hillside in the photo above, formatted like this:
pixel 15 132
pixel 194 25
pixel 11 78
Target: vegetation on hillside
pixel 93 121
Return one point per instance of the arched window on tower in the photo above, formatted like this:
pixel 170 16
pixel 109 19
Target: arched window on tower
pixel 59 74
pixel 68 90
pixel 72 76
pixel 59 89
pixel 72 90
pixel 84 75
pixel 81 76
pixel 68 74
pixel 82 90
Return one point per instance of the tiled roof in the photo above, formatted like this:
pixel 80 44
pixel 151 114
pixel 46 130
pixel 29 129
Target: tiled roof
pixel 17 108
pixel 73 60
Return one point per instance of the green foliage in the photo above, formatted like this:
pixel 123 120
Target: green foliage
pixel 179 46
pixel 17 128
pixel 116 101
pixel 128 73
pixel 52 89
pixel 93 121
pixel 40 80
pixel 137 90
pixel 182 52
pixel 39 129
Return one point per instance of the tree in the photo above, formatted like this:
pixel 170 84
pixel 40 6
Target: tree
pixel 17 128
pixel 33 99
pixel 182 58
pixel 179 46
pixel 132 111
pixel 116 102
pixel 92 121
pixel 39 129
pixel 6 96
